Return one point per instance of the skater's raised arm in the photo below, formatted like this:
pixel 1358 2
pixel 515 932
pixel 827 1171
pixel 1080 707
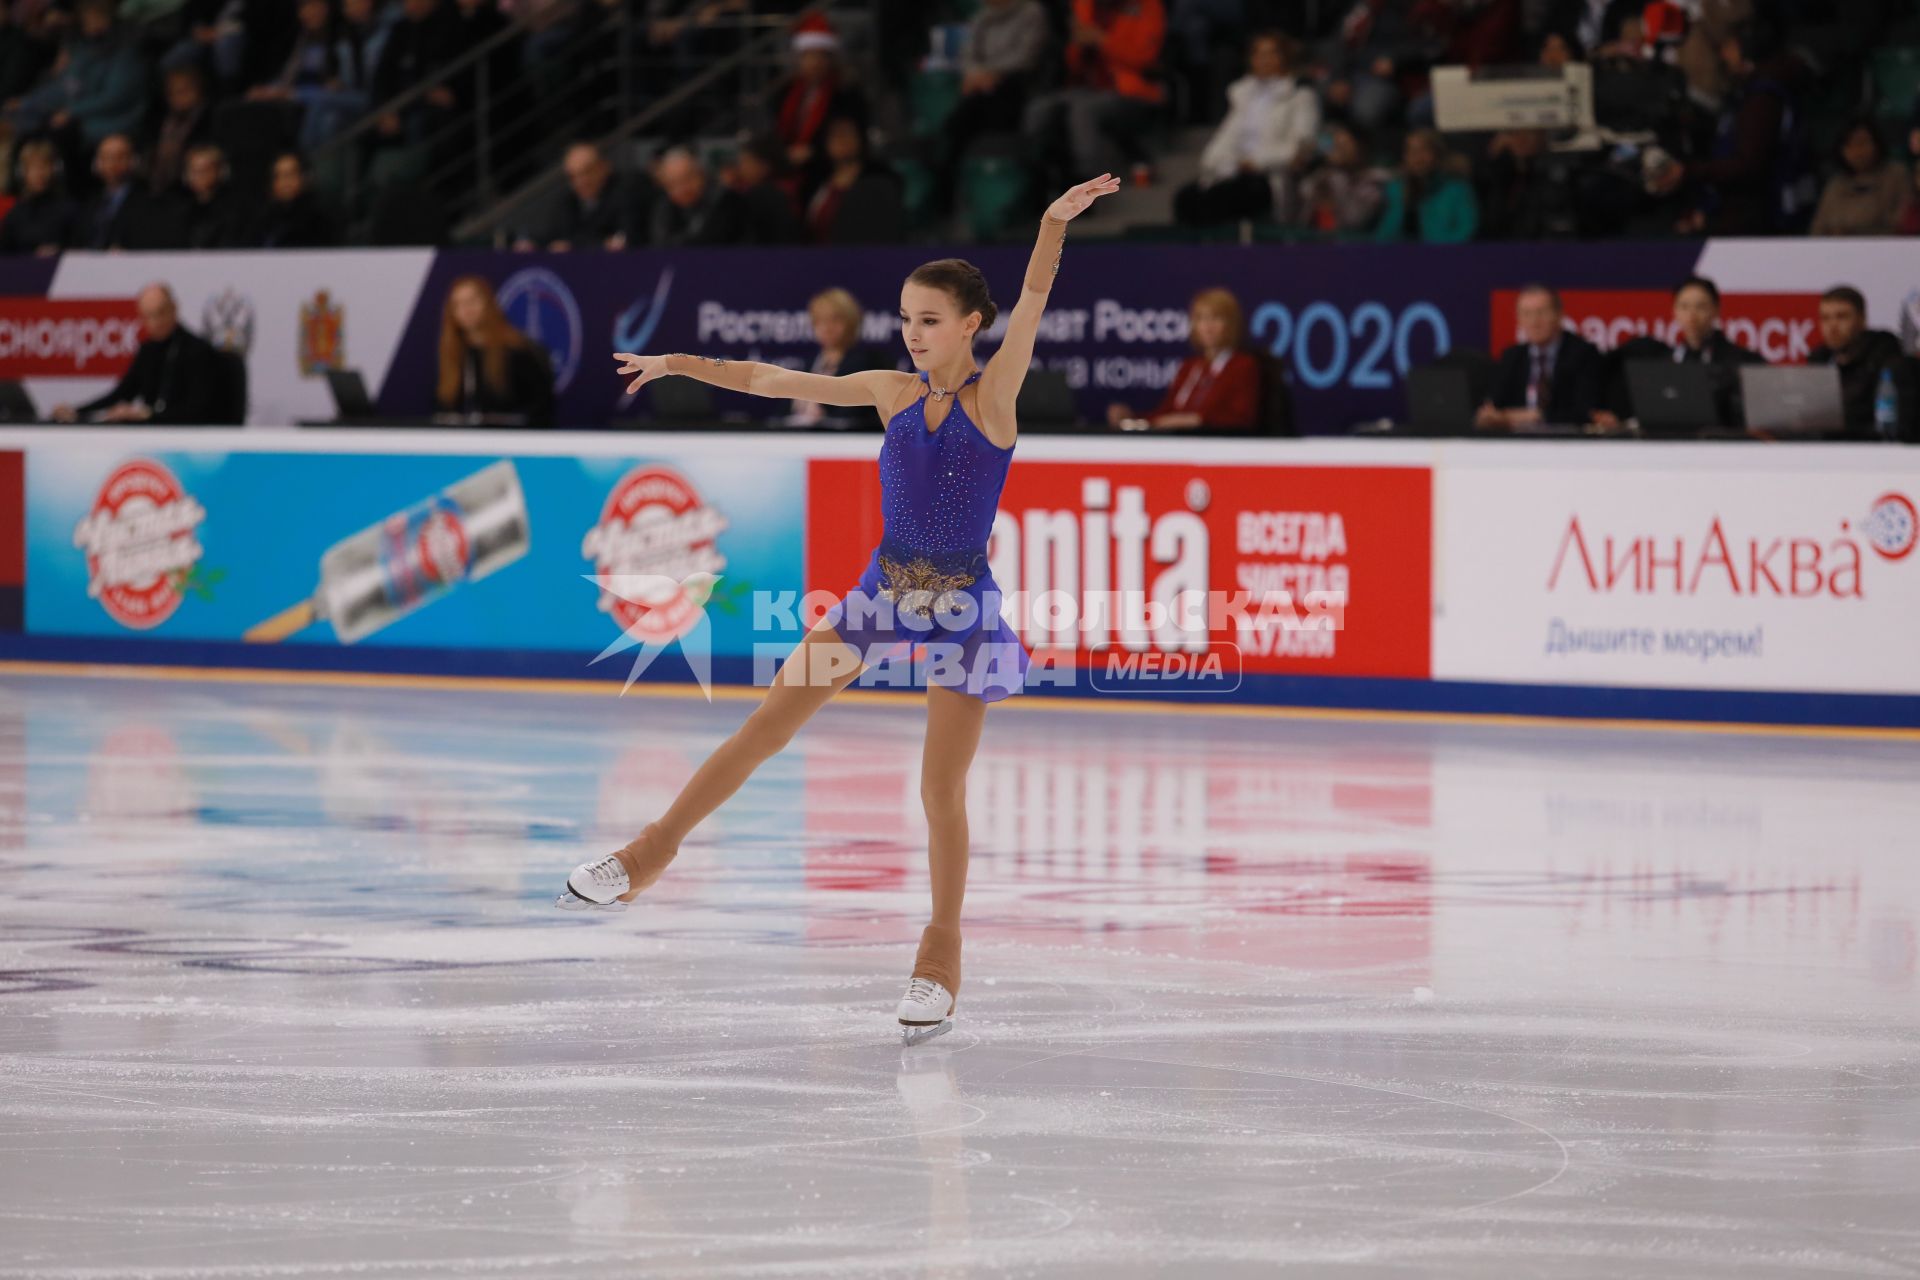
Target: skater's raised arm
pixel 874 388
pixel 1000 383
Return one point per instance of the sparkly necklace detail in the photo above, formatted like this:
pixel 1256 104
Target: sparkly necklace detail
pixel 941 392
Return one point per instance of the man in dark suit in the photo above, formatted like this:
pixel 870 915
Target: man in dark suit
pixel 1698 339
pixel 176 376
pixel 1551 375
pixel 121 215
pixel 1862 355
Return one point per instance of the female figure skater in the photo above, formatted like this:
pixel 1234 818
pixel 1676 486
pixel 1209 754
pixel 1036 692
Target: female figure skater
pixel 950 437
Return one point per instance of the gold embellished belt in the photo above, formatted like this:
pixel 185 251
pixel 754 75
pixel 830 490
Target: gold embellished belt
pixel 919 586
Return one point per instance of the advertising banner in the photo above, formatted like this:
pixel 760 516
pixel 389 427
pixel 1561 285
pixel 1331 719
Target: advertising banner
pixel 1347 320
pixel 292 315
pixel 1702 572
pixel 1275 539
pixel 453 552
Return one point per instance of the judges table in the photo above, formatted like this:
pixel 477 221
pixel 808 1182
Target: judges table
pixel 1569 576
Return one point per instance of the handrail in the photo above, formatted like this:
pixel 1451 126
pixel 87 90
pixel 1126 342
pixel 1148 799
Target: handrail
pixel 544 184
pixel 477 55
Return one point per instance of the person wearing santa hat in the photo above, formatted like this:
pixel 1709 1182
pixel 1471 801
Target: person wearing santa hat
pixel 816 92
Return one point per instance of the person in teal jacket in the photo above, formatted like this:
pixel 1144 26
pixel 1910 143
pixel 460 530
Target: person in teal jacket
pixel 1426 200
pixel 98 85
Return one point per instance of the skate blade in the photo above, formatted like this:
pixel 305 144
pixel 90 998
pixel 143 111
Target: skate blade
pixel 912 1035
pixel 572 901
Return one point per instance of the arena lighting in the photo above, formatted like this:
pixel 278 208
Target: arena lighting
pixel 1526 97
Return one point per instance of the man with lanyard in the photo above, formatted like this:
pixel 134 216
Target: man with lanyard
pixel 176 376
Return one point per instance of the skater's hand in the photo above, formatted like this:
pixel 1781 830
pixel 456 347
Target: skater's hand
pixel 648 367
pixel 1077 200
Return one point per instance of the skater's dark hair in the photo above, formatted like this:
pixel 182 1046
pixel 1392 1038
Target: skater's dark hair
pixel 961 281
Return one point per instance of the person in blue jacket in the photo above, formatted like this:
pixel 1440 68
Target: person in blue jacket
pixel 98 85
pixel 1427 201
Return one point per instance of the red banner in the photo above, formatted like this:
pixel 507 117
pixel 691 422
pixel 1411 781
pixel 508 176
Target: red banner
pixel 1780 327
pixel 1360 534
pixel 67 337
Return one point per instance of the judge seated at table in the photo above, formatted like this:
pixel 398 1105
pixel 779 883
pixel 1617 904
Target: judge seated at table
pixel 488 368
pixel 1698 339
pixel 1552 375
pixel 176 375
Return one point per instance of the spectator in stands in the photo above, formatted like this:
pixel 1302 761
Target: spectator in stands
pixel 1862 355
pixel 23 55
pixel 312 61
pixel 1218 386
pixel 1698 339
pixel 599 210
pixel 1342 192
pixel 1552 375
pixel 766 192
pixel 1865 196
pixel 292 217
pixel 202 213
pixel 1909 222
pixel 1006 42
pixel 1109 94
pixel 1756 179
pixel 176 376
pixel 1380 44
pixel 120 215
pixel 1272 122
pixel 695 210
pixel 41 220
pixel 488 367
pixel 188 122
pixel 214 41
pixel 819 90
pixel 98 85
pixel 836 318
pixel 1427 200
pixel 1529 192
pixel 416 47
pixel 859 202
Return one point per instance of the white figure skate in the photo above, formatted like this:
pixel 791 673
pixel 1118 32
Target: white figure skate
pixel 596 886
pixel 925 1011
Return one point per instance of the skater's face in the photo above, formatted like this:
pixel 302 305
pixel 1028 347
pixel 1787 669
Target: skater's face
pixel 1840 323
pixel 1694 314
pixel 936 333
pixel 157 313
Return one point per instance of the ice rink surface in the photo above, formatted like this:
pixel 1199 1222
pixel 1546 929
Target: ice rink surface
pixel 283 994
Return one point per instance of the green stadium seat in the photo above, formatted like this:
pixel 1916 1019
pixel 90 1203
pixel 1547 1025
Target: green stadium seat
pixel 995 188
pixel 1896 79
pixel 933 95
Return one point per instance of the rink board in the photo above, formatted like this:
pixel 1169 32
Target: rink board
pixel 1582 578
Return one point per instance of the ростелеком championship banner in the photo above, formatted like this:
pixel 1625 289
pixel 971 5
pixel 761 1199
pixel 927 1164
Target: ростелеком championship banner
pixel 1683 566
pixel 452 552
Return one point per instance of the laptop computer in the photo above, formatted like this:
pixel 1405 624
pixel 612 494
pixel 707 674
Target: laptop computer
pixel 1045 403
pixel 15 404
pixel 1792 399
pixel 1672 399
pixel 680 400
pixel 1440 400
pixel 350 398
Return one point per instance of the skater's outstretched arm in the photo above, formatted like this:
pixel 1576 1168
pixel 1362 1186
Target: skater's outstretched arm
pixel 876 388
pixel 1000 384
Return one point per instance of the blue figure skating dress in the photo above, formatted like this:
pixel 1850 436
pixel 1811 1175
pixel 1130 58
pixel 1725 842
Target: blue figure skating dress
pixel 927 587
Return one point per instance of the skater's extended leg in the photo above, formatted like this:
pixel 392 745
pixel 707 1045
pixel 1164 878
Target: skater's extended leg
pixel 820 666
pixel 954 722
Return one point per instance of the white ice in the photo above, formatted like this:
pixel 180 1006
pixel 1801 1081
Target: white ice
pixel 282 994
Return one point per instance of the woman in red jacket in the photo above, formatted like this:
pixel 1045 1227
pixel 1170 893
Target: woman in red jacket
pixel 1217 386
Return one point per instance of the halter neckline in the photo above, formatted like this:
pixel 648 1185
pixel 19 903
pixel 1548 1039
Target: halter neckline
pixel 971 378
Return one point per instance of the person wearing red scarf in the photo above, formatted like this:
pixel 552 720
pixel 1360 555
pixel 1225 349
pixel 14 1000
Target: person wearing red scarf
pixel 814 94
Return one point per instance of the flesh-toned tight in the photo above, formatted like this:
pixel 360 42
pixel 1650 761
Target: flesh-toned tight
pixel 819 667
